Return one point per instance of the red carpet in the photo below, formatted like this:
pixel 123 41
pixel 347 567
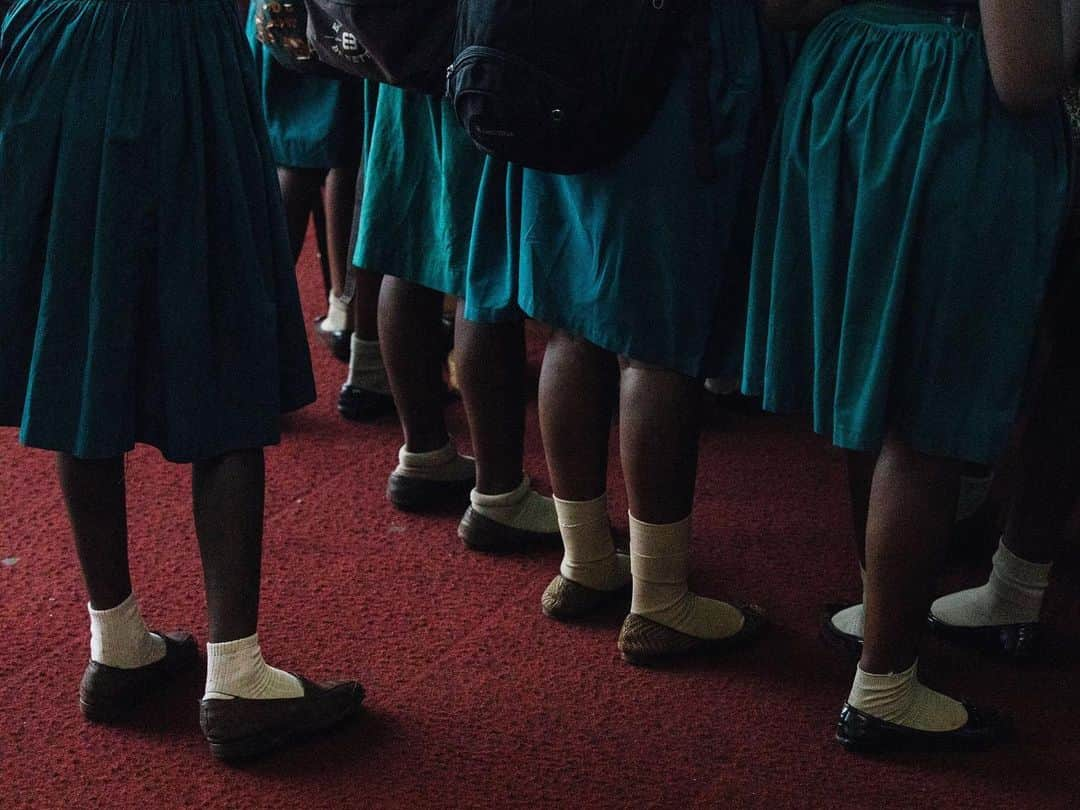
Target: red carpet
pixel 469 686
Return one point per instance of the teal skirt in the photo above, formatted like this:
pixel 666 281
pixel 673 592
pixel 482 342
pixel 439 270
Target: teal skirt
pixel 907 229
pixel 146 287
pixel 314 123
pixel 436 211
pixel 636 258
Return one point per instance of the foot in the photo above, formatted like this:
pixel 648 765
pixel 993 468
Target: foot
pixel 1020 641
pixel 644 641
pixel 108 693
pixel 842 627
pixel 334 330
pixel 861 732
pixel 360 405
pixel 512 521
pixel 239 728
pixel 1002 615
pixel 566 600
pixel 337 341
pixel 424 481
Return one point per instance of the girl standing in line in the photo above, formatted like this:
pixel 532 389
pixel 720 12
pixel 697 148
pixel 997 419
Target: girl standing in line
pixel 147 296
pixel 907 228
pixel 636 260
pixel 439 218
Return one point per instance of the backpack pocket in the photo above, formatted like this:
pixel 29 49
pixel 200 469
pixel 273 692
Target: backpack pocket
pixel 518 112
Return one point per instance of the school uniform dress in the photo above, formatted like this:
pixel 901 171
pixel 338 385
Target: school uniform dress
pixel 635 257
pixel 436 211
pixel 314 122
pixel 146 285
pixel 907 229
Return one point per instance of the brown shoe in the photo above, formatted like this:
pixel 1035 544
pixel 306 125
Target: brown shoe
pixel 107 693
pixel 566 600
pixel 643 641
pixel 242 728
pixel 480 533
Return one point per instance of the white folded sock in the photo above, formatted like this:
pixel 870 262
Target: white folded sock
pixel 901 699
pixel 337 315
pixel 236 669
pixel 366 369
pixel 522 508
pixel 660 566
pixel 119 638
pixel 1013 595
pixel 444 464
pixel 589 556
pixel 851 620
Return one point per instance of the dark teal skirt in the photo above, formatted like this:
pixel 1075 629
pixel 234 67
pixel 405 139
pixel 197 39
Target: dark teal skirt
pixel 436 211
pixel 146 287
pixel 314 123
pixel 637 258
pixel 907 229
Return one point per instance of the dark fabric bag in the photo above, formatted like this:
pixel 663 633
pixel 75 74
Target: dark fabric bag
pixel 568 86
pixel 406 43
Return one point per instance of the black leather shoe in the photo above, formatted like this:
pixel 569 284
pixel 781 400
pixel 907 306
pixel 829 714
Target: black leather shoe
pixel 1019 641
pixel 863 733
pixel 421 494
pixel 360 405
pixel 242 729
pixel 107 693
pixel 481 533
pixel 338 342
pixel 850 645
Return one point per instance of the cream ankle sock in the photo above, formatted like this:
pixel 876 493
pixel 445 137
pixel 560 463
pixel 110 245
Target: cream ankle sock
pixel 850 620
pixel 366 369
pixel 660 565
pixel 337 315
pixel 522 508
pixel 236 669
pixel 901 699
pixel 444 464
pixel 1013 595
pixel 119 638
pixel 589 556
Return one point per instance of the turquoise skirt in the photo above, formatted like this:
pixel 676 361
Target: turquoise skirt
pixel 636 258
pixel 436 211
pixel 907 229
pixel 314 123
pixel 146 288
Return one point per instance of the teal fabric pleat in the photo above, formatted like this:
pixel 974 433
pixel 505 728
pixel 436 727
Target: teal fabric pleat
pixel 436 211
pixel 907 228
pixel 146 288
pixel 314 122
pixel 635 257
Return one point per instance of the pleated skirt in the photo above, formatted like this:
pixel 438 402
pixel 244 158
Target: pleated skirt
pixel 638 257
pixel 907 230
pixel 146 288
pixel 314 122
pixel 435 210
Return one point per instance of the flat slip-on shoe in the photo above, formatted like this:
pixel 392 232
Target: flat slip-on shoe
pixel 1020 641
pixel 108 693
pixel 643 641
pixel 864 733
pixel 566 600
pixel 240 729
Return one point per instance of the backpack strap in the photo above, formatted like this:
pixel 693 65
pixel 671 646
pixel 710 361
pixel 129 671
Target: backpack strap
pixel 700 102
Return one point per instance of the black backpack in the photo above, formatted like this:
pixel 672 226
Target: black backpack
pixel 568 86
pixel 406 43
